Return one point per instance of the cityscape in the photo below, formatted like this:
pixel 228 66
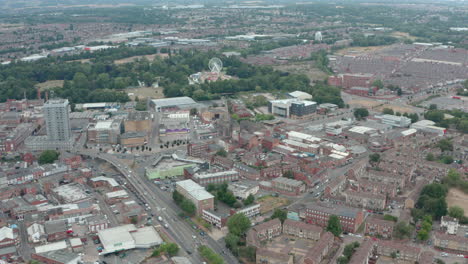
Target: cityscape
pixel 236 132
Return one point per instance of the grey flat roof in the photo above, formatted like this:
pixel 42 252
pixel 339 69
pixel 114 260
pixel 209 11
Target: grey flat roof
pixel 175 101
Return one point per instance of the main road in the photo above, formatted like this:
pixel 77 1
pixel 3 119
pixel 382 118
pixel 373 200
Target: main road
pixel 163 206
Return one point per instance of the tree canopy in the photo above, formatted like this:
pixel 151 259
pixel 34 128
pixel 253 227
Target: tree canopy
pixel 48 156
pixel 334 225
pixel 361 113
pixel 238 224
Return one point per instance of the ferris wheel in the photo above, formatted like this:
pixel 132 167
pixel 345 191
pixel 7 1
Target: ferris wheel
pixel 215 65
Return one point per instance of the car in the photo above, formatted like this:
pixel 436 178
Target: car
pixel 444 254
pixel 189 252
pixel 195 227
pixel 194 236
pixel 202 233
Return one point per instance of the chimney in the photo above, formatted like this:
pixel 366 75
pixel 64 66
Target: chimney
pixel 47 96
pixel 38 93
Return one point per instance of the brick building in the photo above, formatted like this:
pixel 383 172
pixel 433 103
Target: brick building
pixel 452 243
pixel 198 149
pixel 350 218
pixel 365 200
pixel 321 249
pixel 216 177
pixel 8 237
pixel 379 227
pixel 138 122
pixel 288 186
pixel 301 229
pixel 263 232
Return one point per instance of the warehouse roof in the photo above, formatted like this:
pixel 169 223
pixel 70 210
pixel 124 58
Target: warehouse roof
pixel 60 256
pixel 175 101
pixel 51 247
pixel 195 190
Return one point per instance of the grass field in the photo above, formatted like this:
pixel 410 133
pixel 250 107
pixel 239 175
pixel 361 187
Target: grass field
pixel 398 34
pixel 459 198
pixel 50 84
pixel 305 67
pixel 146 92
pixel 359 50
pixel 269 203
pixel 134 58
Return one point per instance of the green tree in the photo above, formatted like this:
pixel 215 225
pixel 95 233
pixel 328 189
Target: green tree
pixel 334 225
pixel 208 254
pixel 48 156
pixel 388 111
pixel 288 174
pixel 423 235
pixel 172 249
pixel 434 115
pixel 361 113
pixel 342 260
pixel 379 84
pixel 177 197
pixel 390 218
pixel 414 117
pixel 432 107
pixel 188 207
pixel 232 242
pixel 456 212
pixel 248 253
pixel 402 230
pixel 221 153
pixel 445 145
pixel 430 157
pixel 80 81
pixel 394 255
pixel 249 200
pixel 238 224
pixel 280 214
pixel 374 157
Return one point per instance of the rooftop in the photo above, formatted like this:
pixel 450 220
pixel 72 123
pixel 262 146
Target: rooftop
pixel 336 210
pixel 60 256
pixel 197 191
pixel 51 247
pixel 175 101
pixel 361 129
pixel 287 181
pixel 112 182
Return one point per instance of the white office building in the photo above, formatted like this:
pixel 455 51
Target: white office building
pixel 396 121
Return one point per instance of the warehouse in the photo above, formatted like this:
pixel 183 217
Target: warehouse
pixel 127 237
pixel 161 105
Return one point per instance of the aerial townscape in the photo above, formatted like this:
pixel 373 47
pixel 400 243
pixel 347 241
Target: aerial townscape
pixel 234 132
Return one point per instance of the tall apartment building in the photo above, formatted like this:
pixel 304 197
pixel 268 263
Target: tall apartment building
pixel 56 114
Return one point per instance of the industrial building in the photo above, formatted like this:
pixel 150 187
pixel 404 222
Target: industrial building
pixel 105 132
pixel 127 237
pixel 429 127
pixel 292 108
pixel 396 121
pixel 165 104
